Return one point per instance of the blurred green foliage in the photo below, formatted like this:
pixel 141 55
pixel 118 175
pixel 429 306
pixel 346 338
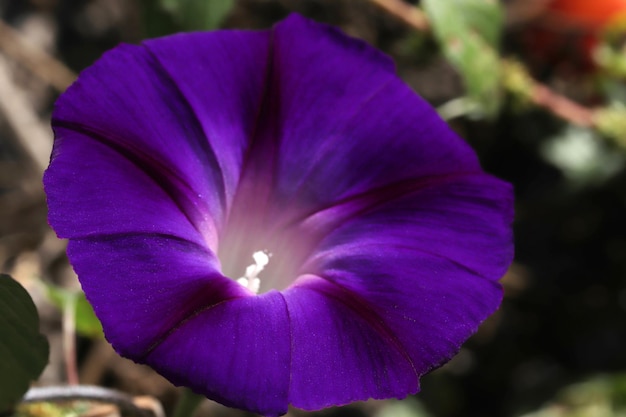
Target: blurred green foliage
pixel 53 409
pixel 87 324
pixel 602 396
pixel 198 14
pixel 406 408
pixel 469 33
pixel 164 17
pixel 583 157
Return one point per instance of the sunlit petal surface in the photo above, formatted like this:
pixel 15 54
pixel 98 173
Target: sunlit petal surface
pixel 378 239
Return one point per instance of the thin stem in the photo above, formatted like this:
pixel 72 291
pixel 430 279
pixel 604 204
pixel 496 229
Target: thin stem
pixel 519 82
pixel 69 339
pixel 561 106
pixel 187 403
pixel 408 13
pixel 34 58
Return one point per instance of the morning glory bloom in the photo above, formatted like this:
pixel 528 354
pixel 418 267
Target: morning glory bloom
pixel 273 217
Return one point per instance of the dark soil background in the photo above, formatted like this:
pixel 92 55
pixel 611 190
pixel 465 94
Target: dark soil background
pixel 563 319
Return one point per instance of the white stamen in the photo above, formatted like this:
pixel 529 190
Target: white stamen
pixel 261 259
pixel 250 280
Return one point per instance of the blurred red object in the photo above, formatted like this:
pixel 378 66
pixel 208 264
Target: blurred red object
pixel 562 34
pixel 589 15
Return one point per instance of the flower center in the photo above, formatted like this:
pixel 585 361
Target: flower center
pixel 251 280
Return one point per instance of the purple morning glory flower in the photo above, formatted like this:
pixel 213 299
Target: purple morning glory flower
pixel 274 217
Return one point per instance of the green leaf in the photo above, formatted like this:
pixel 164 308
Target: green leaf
pixel 198 14
pixel 469 32
pixel 23 350
pixel 87 324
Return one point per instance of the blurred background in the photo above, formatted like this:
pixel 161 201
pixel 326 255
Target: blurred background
pixel 537 87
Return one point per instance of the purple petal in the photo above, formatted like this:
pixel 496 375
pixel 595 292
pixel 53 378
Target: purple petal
pixel 464 219
pixel 421 270
pixel 143 286
pixel 314 147
pixel 340 355
pixel 365 129
pixel 94 189
pixel 237 353
pixel 156 126
pixel 222 78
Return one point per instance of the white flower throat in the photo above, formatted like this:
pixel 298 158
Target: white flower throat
pixel 251 280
